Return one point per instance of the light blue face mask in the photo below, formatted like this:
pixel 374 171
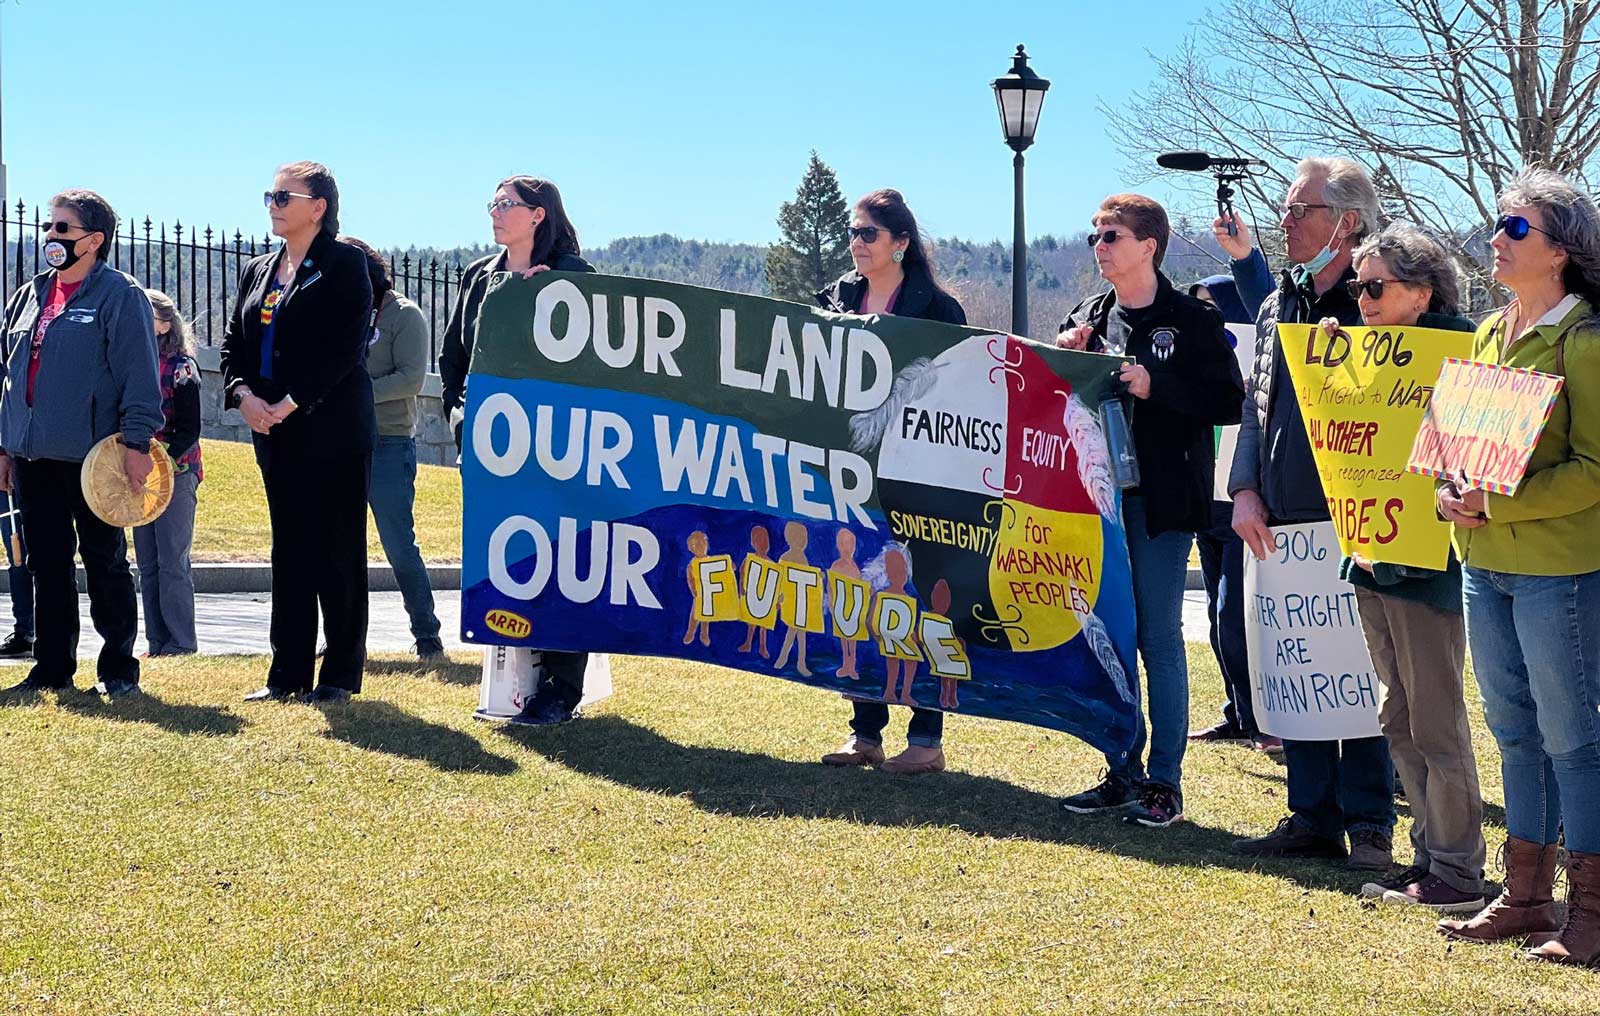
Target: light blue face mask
pixel 1306 272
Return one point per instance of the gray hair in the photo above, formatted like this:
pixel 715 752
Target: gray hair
pixel 1415 257
pixel 1347 188
pixel 1571 222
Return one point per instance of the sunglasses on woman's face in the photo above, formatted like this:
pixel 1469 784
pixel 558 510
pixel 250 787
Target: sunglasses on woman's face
pixel 866 234
pixel 282 198
pixel 58 227
pixel 1372 287
pixel 1515 227
pixel 1109 236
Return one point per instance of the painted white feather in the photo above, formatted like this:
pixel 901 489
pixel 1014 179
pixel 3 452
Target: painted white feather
pixel 1094 460
pixel 915 380
pixel 1100 641
pixel 875 573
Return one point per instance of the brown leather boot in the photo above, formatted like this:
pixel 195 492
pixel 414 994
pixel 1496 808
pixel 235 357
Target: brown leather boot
pixel 1579 941
pixel 1526 907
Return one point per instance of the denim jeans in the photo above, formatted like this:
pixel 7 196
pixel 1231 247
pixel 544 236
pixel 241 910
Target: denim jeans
pixel 17 575
pixel 1160 566
pixel 1222 566
pixel 1535 643
pixel 1341 785
pixel 926 728
pixel 166 584
pixel 393 492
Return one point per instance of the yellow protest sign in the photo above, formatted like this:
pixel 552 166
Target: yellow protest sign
pixel 1363 392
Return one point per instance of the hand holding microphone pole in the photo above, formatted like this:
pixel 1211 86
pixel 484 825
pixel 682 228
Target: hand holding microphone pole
pixel 1227 170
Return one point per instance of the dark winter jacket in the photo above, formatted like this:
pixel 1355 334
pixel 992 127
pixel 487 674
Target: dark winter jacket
pixel 918 299
pixel 1194 387
pixel 1274 453
pixel 455 353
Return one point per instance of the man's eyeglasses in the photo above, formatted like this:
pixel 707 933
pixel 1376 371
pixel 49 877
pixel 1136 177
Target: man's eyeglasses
pixel 1298 209
pixel 1515 227
pixel 505 205
pixel 1109 236
pixel 282 198
pixel 866 234
pixel 1372 287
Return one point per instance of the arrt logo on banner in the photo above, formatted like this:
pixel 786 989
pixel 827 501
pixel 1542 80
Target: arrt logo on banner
pixel 1311 677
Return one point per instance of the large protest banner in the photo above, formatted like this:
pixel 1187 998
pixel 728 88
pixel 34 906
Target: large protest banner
pixel 1363 392
pixel 1311 677
pixel 1483 424
pixel 889 508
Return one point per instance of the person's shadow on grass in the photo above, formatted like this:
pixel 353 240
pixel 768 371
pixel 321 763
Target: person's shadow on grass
pixel 379 726
pixel 179 718
pixel 729 782
pixel 446 670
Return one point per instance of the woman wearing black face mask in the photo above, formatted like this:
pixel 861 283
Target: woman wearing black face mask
pixel 79 349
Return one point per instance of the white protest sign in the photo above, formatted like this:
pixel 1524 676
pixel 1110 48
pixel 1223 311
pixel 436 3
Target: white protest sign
pixel 1244 351
pixel 1311 677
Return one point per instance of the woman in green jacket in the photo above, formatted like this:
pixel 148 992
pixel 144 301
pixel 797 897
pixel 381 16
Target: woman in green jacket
pixel 1532 574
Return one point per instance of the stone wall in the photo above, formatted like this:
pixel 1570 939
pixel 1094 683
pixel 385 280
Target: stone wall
pixel 435 446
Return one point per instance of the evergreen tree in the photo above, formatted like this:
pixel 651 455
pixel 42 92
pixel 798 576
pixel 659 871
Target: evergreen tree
pixel 815 248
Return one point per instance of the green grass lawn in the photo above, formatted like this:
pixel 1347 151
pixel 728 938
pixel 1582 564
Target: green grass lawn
pixel 231 516
pixel 680 851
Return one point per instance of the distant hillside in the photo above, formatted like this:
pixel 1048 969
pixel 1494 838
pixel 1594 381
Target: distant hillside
pixel 1061 270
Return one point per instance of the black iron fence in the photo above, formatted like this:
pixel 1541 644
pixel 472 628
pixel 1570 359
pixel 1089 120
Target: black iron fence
pixel 199 268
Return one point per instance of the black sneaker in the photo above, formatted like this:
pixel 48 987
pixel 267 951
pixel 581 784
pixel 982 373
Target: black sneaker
pixel 1394 883
pixel 1111 794
pixel 546 713
pixel 1290 839
pixel 118 688
pixel 429 650
pixel 1158 807
pixel 16 647
pixel 325 694
pixel 34 683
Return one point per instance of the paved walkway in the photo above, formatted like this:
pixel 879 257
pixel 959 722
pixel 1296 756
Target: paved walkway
pixel 236 623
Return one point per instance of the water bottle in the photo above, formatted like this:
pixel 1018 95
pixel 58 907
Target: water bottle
pixel 1119 442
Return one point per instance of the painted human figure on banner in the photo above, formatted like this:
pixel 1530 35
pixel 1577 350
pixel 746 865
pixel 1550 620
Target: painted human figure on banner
pixel 760 548
pixel 846 567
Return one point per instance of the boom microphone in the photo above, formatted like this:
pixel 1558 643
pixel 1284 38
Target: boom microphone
pixel 1191 162
pixel 1200 162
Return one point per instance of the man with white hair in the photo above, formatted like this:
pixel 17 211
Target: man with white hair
pixel 1335 787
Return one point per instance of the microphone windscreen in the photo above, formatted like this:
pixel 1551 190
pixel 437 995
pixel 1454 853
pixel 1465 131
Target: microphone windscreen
pixel 1194 162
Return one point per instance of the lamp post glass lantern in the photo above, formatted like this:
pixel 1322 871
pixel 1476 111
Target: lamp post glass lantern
pixel 1020 98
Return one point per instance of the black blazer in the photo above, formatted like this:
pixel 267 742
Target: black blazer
pixel 319 350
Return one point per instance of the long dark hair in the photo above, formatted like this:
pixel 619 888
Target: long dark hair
pixel 377 271
pixel 555 235
pixel 319 181
pixel 887 207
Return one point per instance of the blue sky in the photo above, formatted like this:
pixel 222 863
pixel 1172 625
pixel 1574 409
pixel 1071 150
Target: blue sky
pixel 688 118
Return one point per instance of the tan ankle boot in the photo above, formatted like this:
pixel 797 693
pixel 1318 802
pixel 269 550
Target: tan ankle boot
pixel 1579 941
pixel 1526 907
pixel 916 759
pixel 855 752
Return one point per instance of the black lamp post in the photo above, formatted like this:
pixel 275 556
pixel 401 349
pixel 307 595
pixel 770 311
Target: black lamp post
pixel 1020 96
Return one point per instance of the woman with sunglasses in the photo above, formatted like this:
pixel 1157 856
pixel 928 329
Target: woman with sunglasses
pixel 1185 381
pixel 79 349
pixel 294 365
pixel 1412 619
pixel 1531 580
pixel 892 276
pixel 530 223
